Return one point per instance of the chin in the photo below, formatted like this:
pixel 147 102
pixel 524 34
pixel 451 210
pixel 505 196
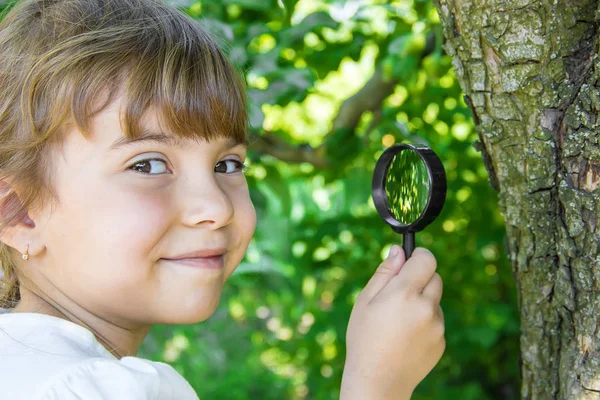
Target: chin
pixel 192 314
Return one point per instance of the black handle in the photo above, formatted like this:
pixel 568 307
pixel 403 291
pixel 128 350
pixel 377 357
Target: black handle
pixel 408 243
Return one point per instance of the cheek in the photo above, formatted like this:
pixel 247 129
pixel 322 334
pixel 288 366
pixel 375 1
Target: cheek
pixel 133 222
pixel 245 214
pixel 118 224
pixel 97 235
pixel 242 228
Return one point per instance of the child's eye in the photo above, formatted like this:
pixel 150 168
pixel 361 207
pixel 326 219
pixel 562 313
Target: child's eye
pixel 152 164
pixel 240 166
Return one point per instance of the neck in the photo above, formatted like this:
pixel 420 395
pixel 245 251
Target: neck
pixel 118 339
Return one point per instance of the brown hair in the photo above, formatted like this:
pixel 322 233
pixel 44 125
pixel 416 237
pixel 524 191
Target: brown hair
pixel 63 61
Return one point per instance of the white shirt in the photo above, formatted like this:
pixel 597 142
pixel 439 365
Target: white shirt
pixel 48 358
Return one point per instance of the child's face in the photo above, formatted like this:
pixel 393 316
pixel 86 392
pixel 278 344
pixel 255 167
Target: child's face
pixel 107 236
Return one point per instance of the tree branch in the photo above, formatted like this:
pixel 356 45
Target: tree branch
pixel 274 146
pixel 368 98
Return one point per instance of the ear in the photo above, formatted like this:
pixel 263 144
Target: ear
pixel 23 230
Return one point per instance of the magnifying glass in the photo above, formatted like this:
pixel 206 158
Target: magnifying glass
pixel 409 190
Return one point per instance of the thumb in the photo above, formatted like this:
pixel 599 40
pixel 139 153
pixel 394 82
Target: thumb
pixel 388 269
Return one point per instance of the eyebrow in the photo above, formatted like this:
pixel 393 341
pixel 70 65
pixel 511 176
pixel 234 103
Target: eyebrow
pixel 148 135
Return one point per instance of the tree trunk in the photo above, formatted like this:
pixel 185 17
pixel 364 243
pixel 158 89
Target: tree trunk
pixel 530 72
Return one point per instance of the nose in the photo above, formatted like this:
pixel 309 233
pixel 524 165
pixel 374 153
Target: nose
pixel 206 202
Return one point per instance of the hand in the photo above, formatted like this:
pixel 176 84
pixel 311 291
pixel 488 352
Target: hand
pixel 396 331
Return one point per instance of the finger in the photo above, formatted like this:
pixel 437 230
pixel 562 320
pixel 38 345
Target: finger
pixel 433 290
pixel 440 316
pixel 387 270
pixel 418 270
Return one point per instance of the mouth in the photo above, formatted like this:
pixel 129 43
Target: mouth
pixel 214 262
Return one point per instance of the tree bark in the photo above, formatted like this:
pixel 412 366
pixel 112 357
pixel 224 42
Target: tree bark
pixel 530 72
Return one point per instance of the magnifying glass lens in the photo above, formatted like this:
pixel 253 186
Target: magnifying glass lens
pixel 407 186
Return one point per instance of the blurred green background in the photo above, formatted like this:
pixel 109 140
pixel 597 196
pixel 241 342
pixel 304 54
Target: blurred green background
pixel 279 332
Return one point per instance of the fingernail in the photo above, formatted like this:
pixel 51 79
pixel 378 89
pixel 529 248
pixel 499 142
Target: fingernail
pixel 393 251
pixel 424 249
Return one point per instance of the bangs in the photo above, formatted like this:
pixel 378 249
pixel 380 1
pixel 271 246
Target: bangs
pixel 160 62
pixel 197 92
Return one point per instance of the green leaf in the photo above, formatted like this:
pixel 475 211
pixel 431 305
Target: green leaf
pixel 259 5
pixel 238 56
pixel 405 69
pixel 254 30
pixel 263 267
pixel 266 64
pixel 342 146
pixel 285 85
pixel 256 117
pixel 277 191
pixel 409 43
pixel 484 336
pixel 220 31
pixel 289 6
pixel 290 36
pixel 357 186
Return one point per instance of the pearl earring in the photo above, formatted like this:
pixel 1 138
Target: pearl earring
pixel 26 255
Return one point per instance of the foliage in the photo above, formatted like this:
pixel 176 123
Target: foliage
pixel 279 331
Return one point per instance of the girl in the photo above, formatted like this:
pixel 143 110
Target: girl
pixel 124 204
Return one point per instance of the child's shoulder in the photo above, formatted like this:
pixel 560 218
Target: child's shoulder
pixel 130 378
pixel 43 357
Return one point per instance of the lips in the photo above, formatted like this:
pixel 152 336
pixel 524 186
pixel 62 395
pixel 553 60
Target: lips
pixel 207 258
pixel 215 262
pixel 200 254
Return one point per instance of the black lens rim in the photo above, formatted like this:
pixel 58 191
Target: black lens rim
pixel 437 185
